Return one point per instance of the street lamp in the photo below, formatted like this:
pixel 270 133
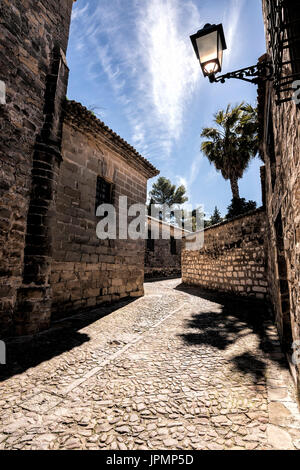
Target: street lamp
pixel 209 44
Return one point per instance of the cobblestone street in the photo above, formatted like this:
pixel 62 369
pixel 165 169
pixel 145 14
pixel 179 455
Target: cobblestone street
pixel 176 369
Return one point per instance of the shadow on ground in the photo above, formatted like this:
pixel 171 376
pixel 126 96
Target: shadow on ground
pixel 26 352
pixel 161 278
pixel 234 318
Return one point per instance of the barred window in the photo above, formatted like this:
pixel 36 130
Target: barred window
pixel 283 27
pixel 293 27
pixel 150 242
pixel 173 246
pixel 104 190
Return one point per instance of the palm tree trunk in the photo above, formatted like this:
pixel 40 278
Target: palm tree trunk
pixel 234 188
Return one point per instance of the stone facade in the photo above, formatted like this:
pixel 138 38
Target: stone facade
pixel 233 258
pixel 50 259
pixel 163 256
pixel 87 271
pixel 280 134
pixel 33 40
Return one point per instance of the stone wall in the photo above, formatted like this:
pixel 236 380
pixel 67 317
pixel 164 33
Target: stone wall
pixel 233 258
pixel 280 133
pixel 160 262
pixel 163 254
pixel 87 271
pixel 30 31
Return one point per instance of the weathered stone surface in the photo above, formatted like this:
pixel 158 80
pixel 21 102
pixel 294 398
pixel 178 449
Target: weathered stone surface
pixel 232 259
pixel 50 257
pixel 280 149
pixel 100 393
pixel 279 438
pixel 163 256
pixel 278 413
pixel 29 34
pixel 86 271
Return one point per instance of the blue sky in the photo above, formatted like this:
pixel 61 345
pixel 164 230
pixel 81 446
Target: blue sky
pixel 133 63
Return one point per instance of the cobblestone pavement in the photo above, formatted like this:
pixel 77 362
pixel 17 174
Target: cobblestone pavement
pixel 176 369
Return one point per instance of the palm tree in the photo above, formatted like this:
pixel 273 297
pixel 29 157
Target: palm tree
pixel 231 145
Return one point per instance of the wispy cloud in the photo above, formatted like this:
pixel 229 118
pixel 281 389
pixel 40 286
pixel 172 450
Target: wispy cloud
pixel 170 66
pixel 192 173
pixel 79 11
pixel 135 60
pixel 148 57
pixel 232 21
pixel 144 54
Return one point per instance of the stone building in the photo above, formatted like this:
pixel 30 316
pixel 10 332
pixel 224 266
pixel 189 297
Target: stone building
pixel 163 255
pixel 34 76
pixel 50 259
pixel 97 167
pixel 280 136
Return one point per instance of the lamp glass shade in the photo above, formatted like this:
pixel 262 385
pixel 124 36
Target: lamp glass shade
pixel 220 52
pixel 208 47
pixel 209 44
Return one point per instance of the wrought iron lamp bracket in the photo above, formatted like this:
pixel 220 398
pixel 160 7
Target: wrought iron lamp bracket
pixel 254 74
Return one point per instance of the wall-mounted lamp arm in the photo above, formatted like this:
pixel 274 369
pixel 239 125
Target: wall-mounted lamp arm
pixel 260 71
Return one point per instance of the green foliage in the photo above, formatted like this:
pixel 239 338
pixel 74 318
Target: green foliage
pixel 239 206
pixel 233 142
pixel 206 222
pixel 216 217
pixel 164 192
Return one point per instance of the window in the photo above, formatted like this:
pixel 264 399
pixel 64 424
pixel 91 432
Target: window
pixel 150 242
pixel 103 192
pixel 293 25
pixel 283 27
pixel 173 246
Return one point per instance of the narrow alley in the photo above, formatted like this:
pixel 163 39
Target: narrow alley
pixel 176 369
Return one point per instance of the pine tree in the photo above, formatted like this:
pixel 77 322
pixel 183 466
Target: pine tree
pixel 216 217
pixel 164 192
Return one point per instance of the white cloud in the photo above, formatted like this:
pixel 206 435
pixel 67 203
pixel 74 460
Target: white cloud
pixel 191 175
pixel 79 12
pixel 195 169
pixel 149 62
pixel 232 23
pixel 145 54
pixel 169 61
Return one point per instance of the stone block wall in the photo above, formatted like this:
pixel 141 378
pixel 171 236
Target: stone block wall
pixel 233 258
pixel 283 212
pixel 280 135
pixel 87 271
pixel 29 32
pixel 160 262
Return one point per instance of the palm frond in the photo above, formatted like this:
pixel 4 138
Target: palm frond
pixel 234 142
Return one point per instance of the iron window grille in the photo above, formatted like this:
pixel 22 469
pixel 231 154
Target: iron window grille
pixel 173 247
pixel 150 242
pixel 104 192
pixel 283 18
